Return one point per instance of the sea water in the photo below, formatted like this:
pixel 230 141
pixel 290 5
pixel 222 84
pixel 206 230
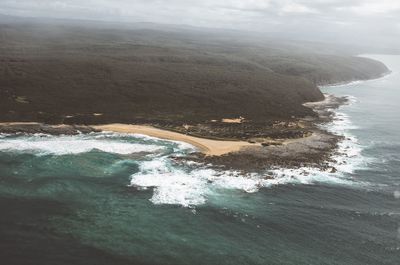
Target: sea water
pixel 108 198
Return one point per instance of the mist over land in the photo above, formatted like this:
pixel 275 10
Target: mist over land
pixel 368 23
pixel 184 61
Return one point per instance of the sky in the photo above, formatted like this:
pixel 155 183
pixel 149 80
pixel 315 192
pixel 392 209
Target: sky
pixel 365 21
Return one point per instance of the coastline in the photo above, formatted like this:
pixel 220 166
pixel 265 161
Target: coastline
pixel 238 155
pixel 345 83
pixel 208 147
pixel 311 146
pixel 312 150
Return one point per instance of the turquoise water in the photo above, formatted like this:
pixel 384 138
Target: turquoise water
pixel 109 198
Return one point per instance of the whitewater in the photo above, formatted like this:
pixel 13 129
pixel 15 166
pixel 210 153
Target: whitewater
pixel 109 198
pixel 189 183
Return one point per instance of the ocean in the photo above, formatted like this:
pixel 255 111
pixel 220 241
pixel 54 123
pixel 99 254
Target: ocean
pixel 108 198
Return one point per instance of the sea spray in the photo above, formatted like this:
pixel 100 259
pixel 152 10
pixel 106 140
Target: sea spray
pixel 63 145
pixel 189 183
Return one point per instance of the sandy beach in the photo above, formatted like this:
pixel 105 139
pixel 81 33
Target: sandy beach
pixel 206 146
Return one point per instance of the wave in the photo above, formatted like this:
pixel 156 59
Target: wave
pixel 63 145
pixel 179 146
pixel 193 184
pixel 357 82
pixel 188 188
pixel 4 135
pixel 348 156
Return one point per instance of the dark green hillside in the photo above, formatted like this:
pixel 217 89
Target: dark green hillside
pixel 66 73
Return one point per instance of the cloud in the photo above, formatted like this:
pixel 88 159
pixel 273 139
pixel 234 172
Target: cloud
pixel 369 8
pixel 320 16
pixel 293 7
pixel 181 9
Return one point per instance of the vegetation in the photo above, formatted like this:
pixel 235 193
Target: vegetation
pixel 98 73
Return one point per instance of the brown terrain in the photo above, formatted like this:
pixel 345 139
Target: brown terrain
pixel 197 82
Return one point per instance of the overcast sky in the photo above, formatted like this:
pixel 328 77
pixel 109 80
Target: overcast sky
pixel 375 21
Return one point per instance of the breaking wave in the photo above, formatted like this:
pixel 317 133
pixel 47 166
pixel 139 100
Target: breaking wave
pixel 348 157
pixel 63 145
pixel 191 186
pixel 189 183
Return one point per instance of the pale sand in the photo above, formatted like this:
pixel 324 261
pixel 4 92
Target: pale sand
pixel 31 123
pixel 238 120
pixel 206 146
pixel 19 123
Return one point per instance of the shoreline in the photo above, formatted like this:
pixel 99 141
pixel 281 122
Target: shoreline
pixel 345 83
pixel 209 147
pixel 315 148
pixel 312 150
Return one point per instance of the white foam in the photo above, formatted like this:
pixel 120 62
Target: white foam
pixel 63 145
pixel 171 185
pixel 3 135
pixel 247 183
pixel 187 187
pixel 194 186
pixel 192 183
pixel 352 83
pixel 181 146
pixel 307 176
pixel 348 157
